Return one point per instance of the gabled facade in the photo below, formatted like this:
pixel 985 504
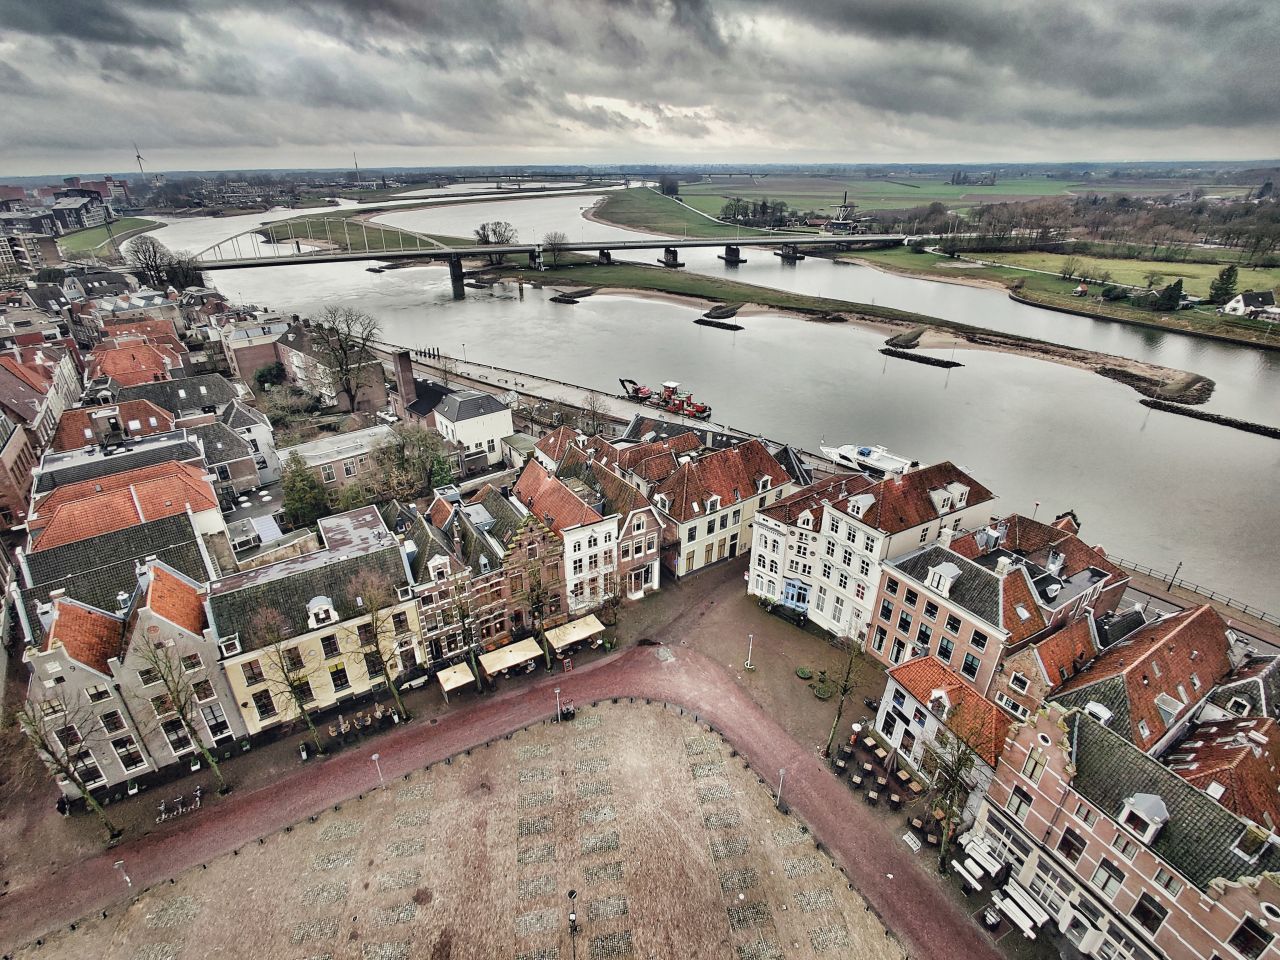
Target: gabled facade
pixel 821 551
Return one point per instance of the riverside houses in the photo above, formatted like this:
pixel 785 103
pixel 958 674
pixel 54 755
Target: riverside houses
pixel 820 551
pixel 1130 861
pixel 317 636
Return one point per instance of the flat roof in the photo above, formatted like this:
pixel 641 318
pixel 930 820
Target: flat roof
pixel 339 446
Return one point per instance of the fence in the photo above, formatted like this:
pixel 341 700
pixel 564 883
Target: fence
pixel 1171 581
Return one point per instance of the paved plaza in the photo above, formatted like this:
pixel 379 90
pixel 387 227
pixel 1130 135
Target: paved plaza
pixel 673 846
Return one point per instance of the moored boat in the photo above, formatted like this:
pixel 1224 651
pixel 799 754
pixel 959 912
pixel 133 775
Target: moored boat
pixel 874 460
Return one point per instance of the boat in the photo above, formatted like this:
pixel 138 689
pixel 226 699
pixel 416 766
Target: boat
pixel 670 398
pixel 375 269
pixel 873 460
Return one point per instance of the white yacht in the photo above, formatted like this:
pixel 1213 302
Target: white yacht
pixel 875 460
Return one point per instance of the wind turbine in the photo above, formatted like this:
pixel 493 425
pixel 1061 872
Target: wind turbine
pixel 137 155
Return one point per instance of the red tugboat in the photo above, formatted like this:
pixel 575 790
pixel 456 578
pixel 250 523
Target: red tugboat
pixel 669 398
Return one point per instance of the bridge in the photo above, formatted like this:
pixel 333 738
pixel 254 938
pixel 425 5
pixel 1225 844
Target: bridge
pixel 339 240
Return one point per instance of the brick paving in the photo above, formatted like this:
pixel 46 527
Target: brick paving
pixel 898 886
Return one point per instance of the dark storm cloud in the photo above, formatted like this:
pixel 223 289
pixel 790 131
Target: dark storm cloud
pixel 304 82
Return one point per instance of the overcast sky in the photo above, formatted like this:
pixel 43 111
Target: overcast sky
pixel 212 84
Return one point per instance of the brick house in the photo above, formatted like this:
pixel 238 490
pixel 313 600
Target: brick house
pixel 110 424
pixel 1128 859
pixel 821 550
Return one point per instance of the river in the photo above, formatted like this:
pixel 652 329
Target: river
pixel 1148 486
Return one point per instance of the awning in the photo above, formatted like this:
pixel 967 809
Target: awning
pixel 512 655
pixel 459 675
pixel 570 633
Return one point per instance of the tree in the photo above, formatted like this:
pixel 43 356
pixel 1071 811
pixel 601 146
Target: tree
pixel 1223 288
pixel 344 339
pixel 448 367
pixel 594 417
pixel 305 500
pixel 441 472
pixel 272 374
pixel 374 594
pixel 150 259
pixel 1070 267
pixel 1170 297
pixel 288 672
pixel 179 697
pixel 554 241
pixel 58 727
pixel 669 185
pixel 951 764
pixel 182 273
pixel 1152 278
pixel 845 687
pixel 495 233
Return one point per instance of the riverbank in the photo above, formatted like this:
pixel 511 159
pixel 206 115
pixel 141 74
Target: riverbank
pixel 702 293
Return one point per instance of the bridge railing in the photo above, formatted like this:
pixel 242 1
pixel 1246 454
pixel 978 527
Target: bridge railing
pixel 315 236
pixel 1171 581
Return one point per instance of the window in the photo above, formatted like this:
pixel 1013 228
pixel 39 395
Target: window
pixel 1018 804
pixel 864 567
pixel 1251 938
pixel 868 543
pixel 293 659
pixel 953 623
pixel 924 635
pixel 148 676
pixel 692 536
pixel 891 586
pixel 821 601
pixel 831 549
pixel 1144 729
pixel 970 666
pixel 203 690
pixel 1108 878
pixel 1168 882
pixel 904 622
pixel 162 705
pixel 878 643
pixel 338 674
pixel 860 590
pixel 1085 815
pixel 624 552
pixel 846 557
pixel 842 580
pixel 945 648
pixel 886 610
pixel 265 706
pixel 1019 683
pixel 112 722
pixel 1012 705
pixel 327 474
pixel 931 610
pixel 1125 847
pixel 192 662
pixel 175 732
pixel 97 694
pixel 979 640
pixel 400 622
pixel 373 666
pixel 837 610
pixel 252 672
pixel 129 754
pixel 329 645
pixel 577 567
pixel 1033 766
pixel 924 535
pixel 827 571
pixel 348 468
pixel 711 527
pixel 1072 845
pixel 215 720
pixel 898 649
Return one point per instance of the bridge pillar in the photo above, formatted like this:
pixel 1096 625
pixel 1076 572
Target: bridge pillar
pixel 535 259
pixel 604 257
pixel 789 253
pixel 456 277
pixel 671 258
pixel 732 255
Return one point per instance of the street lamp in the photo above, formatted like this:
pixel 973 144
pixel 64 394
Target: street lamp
pixel 781 773
pixel 120 866
pixel 376 758
pixel 557 704
pixel 464 353
pixel 750 641
pixel 573 927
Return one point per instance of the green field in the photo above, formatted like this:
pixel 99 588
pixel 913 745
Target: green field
pixel 824 194
pixel 645 209
pixel 1195 277
pixel 89 241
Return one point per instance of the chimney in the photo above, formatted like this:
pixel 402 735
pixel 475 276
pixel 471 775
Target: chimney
pixel 944 537
pixel 404 379
pixel 1003 565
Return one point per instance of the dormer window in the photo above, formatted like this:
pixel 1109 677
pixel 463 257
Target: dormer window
pixel 1251 843
pixel 1239 706
pixel 1143 815
pixel 943 577
pixel 321 611
pixel 762 484
pixel 713 504
pixel 662 502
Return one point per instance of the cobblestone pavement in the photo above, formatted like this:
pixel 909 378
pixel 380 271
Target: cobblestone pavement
pixel 421 868
pixel 899 887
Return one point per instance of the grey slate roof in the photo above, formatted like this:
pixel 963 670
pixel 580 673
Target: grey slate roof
pixel 238 416
pixel 233 611
pixel 1257 682
pixel 406 521
pixel 95 570
pixel 144 455
pixel 645 429
pixel 1200 834
pixel 427 396
pixel 467 405
pixel 1111 693
pixel 184 394
pixel 1117 626
pixel 976 590
pixel 789 458
pixel 221 443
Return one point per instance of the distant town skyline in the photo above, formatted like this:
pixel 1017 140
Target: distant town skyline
pixel 230 85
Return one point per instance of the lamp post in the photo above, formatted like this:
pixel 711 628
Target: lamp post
pixel 781 774
pixel 557 704
pixel 750 641
pixel 123 873
pixel 376 758
pixel 573 927
pixel 464 353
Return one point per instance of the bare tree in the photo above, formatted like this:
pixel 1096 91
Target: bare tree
pixel 376 596
pixel 561 412
pixel 845 687
pixel 448 367
pixel 594 416
pixel 1070 267
pixel 495 233
pixel 289 674
pixel 344 338
pixel 150 258
pixel 181 698
pixel 63 732
pixel 952 766
pixel 553 242
pixel 408 458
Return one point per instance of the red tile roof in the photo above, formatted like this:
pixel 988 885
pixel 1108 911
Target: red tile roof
pixel 173 598
pixel 89 636
pixel 837 490
pixel 1018 597
pixel 24 372
pixel 731 474
pixel 74 422
pixel 904 502
pixel 1244 766
pixel 1034 540
pixel 971 717
pixel 550 500
pixel 630 457
pixel 555 443
pixel 133 364
pixel 1066 651
pixel 1155 660
pixel 439 512
pixel 78 513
